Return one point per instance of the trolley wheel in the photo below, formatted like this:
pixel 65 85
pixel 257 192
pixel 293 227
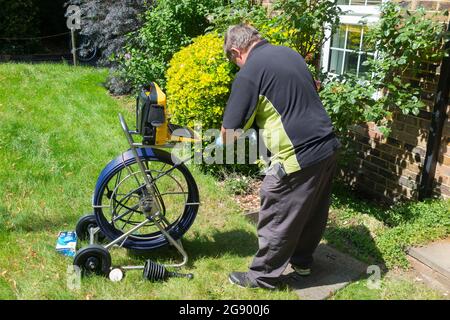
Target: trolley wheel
pixel 93 259
pixel 84 224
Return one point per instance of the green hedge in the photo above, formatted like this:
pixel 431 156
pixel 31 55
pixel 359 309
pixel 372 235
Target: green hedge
pixel 198 83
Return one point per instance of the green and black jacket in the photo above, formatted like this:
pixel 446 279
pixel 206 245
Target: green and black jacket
pixel 275 91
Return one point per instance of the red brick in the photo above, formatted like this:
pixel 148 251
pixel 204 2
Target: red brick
pixel 414 130
pixel 379 162
pixel 407 119
pixel 442 170
pixel 388 157
pixel 445 160
pixel 370 166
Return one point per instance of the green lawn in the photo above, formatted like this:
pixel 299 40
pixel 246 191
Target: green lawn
pixel 59 128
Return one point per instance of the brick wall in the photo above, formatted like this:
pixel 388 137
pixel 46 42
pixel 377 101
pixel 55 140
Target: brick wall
pixel 429 5
pixel 390 168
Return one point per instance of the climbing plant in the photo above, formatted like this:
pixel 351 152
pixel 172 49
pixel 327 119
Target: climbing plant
pixel 402 41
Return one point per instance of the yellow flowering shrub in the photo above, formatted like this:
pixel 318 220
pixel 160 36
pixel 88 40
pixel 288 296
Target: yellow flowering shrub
pixel 199 79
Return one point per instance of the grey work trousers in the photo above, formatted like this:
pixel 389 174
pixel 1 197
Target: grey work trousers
pixel 292 220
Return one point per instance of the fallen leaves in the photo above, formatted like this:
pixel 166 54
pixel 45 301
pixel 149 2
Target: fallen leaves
pixel 250 202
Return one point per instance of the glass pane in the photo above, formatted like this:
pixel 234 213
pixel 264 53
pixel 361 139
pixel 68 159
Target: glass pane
pixel 343 2
pixel 358 2
pixel 353 37
pixel 351 62
pixel 373 2
pixel 339 37
pixel 336 61
pixel 365 45
pixel 362 69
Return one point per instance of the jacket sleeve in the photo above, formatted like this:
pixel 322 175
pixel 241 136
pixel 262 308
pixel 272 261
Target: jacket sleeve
pixel 241 105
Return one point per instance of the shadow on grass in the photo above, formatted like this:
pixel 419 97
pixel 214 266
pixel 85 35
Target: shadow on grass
pixel 350 255
pixel 238 243
pixel 356 241
pixel 345 198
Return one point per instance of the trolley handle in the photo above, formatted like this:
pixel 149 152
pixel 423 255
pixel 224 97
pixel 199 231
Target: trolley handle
pixel 125 126
pixel 127 132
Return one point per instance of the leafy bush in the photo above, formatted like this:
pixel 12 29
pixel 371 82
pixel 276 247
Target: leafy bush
pixel 170 25
pixel 302 25
pixel 236 12
pixel 107 24
pixel 402 42
pixel 18 19
pixel 347 101
pixel 198 83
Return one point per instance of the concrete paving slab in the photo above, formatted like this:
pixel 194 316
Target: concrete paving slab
pixel 435 255
pixel 332 271
pixel 431 278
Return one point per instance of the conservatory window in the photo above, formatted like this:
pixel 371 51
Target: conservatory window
pixel 359 2
pixel 345 51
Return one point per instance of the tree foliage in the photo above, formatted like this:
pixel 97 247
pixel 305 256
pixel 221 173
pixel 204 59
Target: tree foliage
pixel 18 19
pixel 107 22
pixel 303 25
pixel 167 27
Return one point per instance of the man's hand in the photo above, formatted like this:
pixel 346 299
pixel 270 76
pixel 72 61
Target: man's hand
pixel 223 134
pixel 230 137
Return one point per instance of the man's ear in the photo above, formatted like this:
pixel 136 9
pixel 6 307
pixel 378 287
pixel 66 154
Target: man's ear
pixel 236 53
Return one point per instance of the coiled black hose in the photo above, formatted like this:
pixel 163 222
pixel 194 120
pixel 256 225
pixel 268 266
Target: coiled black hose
pixel 156 272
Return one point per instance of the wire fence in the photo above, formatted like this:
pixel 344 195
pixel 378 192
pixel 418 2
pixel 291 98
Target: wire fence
pixel 36 38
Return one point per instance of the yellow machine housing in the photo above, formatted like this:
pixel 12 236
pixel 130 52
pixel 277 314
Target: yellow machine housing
pixel 152 121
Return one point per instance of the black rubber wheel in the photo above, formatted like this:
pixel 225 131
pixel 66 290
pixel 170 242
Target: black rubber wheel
pixel 93 259
pixel 84 224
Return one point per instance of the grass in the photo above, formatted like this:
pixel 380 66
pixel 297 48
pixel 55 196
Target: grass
pixel 380 235
pixel 59 128
pixel 392 287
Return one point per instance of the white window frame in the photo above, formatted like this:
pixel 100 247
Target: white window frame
pixel 353 15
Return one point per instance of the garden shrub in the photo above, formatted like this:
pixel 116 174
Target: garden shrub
pixel 18 19
pixel 302 26
pixel 107 23
pixel 167 27
pixel 198 83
